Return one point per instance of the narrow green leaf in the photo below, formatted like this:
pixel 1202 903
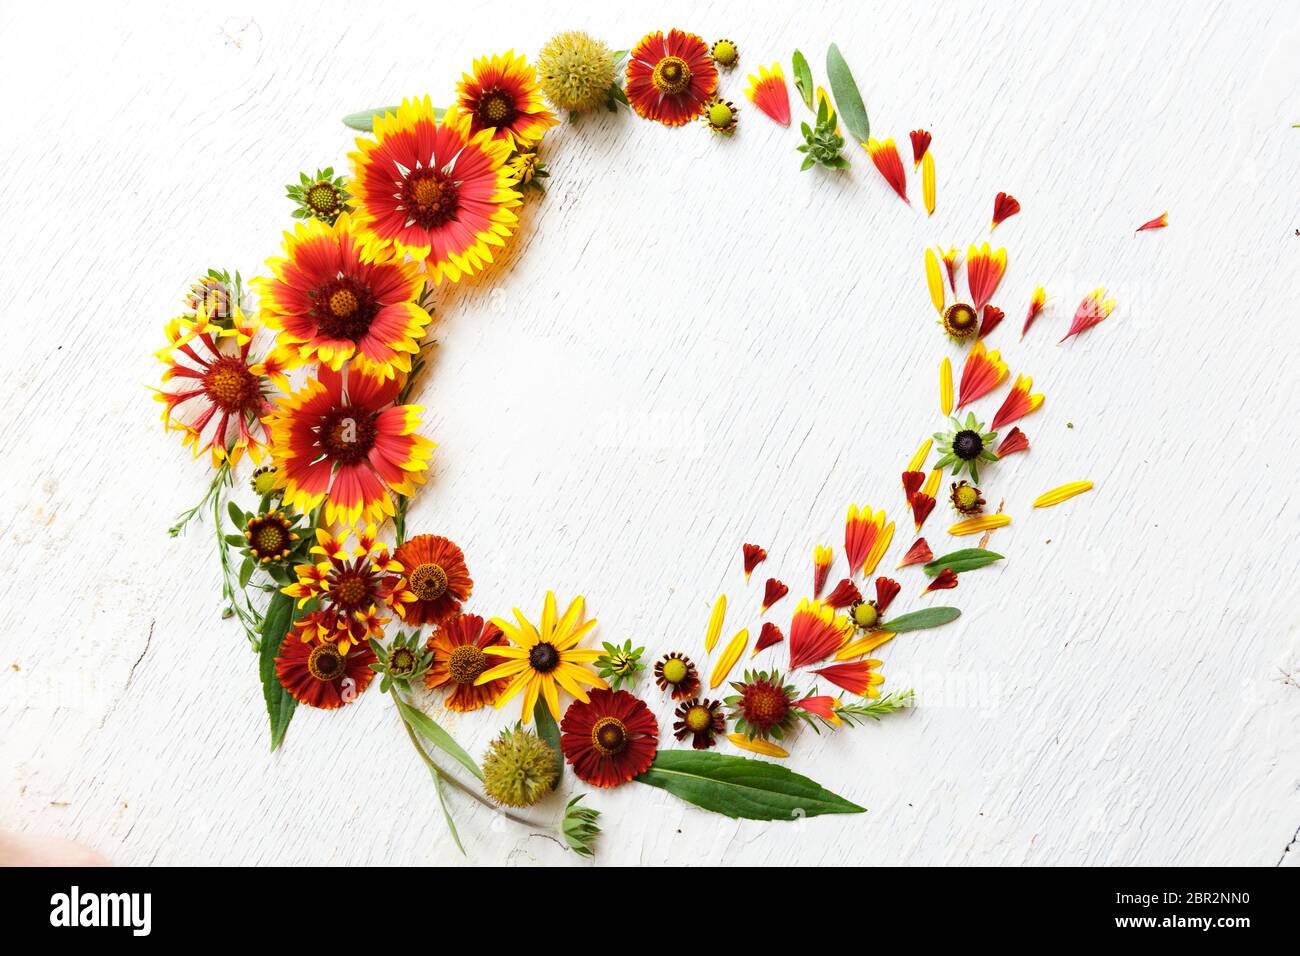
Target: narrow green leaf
pixel 446 813
pixel 246 572
pixel 803 81
pixel 279 703
pixel 848 99
pixel 920 620
pixel 365 120
pixel 550 732
pixel 967 559
pixel 739 787
pixel 427 728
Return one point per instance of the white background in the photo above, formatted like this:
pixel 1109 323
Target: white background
pixel 691 344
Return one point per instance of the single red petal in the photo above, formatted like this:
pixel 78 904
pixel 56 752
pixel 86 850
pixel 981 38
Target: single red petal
pixel 822 706
pixel 1014 442
pixel 886 590
pixel 945 581
pixel 885 157
pixel 918 553
pixel 753 556
pixel 773 592
pixel 1160 222
pixel 771 634
pixel 854 676
pixel 1093 310
pixel 920 145
pixel 1004 207
pixel 845 593
pixel 922 505
pixel 993 317
pixel 912 482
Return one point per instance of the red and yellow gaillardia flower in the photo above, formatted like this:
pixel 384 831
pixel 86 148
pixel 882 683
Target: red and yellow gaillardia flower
pixel 320 674
pixel 342 441
pixel 502 97
pixel 764 706
pixel 333 301
pixel 458 660
pixel 435 581
pixel 350 585
pixel 543 657
pixel 227 389
pixel 610 738
pixel 437 191
pixel 669 78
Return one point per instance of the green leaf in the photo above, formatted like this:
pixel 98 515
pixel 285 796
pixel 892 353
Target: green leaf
pixel 236 515
pixel 920 620
pixel 739 787
pixel 550 732
pixel 246 572
pixel 365 120
pixel 848 100
pixel 446 813
pixel 967 559
pixel 803 81
pixel 427 728
pixel 279 703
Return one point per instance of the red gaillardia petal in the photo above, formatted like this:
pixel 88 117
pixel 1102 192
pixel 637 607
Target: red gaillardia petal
pixel 1014 442
pixel 773 592
pixel 753 556
pixel 1004 207
pixel 1160 222
pixel 1018 403
pixel 918 553
pixel 983 372
pixel 920 145
pixel 993 317
pixel 771 634
pixel 886 590
pixel 844 594
pixel 946 580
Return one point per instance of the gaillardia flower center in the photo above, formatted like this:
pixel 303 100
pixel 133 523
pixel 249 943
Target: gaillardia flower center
pixel 268 539
pixel 325 662
pixel 496 108
pixel 765 705
pixel 967 445
pixel 698 718
pixel 466 663
pixel 671 75
pixel 323 198
pixel 430 197
pixel 230 384
pixel 429 582
pixel 543 658
pixel 350 590
pixel 347 434
pixel 609 736
pixel 960 320
pixel 344 310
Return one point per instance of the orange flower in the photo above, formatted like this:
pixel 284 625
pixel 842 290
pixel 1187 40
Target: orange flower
pixel 856 677
pixel 920 145
pixel 317 673
pixel 885 156
pixel 768 92
pixel 457 647
pixel 983 372
pixel 341 440
pixel 1160 222
pixel 816 632
pixel 984 270
pixel 1004 207
pixel 1093 310
pixel 502 96
pixel 866 536
pixel 1036 304
pixel 1014 442
pixel 435 581
pixel 1018 403
pixel 670 77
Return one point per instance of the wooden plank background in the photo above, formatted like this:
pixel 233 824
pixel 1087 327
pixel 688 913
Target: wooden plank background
pixel 691 344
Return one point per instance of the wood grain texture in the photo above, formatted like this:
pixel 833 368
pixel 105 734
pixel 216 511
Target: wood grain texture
pixel 690 345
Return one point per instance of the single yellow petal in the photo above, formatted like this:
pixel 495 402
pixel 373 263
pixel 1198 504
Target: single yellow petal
pixel 572 615
pixel 931 486
pixel 764 747
pixel 878 549
pixel 531 692
pixel 715 623
pixel 934 280
pixel 548 617
pixel 504 650
pixel 516 685
pixel 945 384
pixel 1057 495
pixel 552 699
pixel 922 453
pixel 525 634
pixel 729 657
pixel 927 183
pixel 574 635
pixel 581 655
pixel 979 523
pixel 580 675
pixel 508 669
pixel 863 645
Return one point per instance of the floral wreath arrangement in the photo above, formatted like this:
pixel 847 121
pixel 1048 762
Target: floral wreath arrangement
pixel 429 195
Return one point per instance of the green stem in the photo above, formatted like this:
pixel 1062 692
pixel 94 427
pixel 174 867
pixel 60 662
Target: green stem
pixel 235 597
pixel 399 521
pixel 448 778
pixel 223 472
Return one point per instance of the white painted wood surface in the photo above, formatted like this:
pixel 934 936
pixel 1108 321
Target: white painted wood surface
pixel 692 344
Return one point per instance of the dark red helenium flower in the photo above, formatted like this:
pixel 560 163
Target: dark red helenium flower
pixel 610 739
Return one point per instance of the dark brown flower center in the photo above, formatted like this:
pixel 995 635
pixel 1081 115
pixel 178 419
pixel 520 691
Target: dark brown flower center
pixel 229 384
pixel 268 540
pixel 543 658
pixel 671 75
pixel 428 582
pixel 347 434
pixel 960 320
pixel 609 736
pixel 466 663
pixel 496 108
pixel 344 309
pixel 401 662
pixel 967 445
pixel 430 198
pixel 323 198
pixel 350 590
pixel 325 662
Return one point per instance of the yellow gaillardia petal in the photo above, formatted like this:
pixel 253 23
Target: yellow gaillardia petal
pixel 863 645
pixel 931 486
pixel 945 383
pixel 934 280
pixel 927 181
pixel 764 747
pixel 715 623
pixel 729 657
pixel 1057 495
pixel 979 523
pixel 922 453
pixel 878 549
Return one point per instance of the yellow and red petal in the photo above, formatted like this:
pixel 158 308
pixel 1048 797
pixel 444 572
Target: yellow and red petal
pixel 822 556
pixel 1018 403
pixel 884 155
pixel 918 553
pixel 843 594
pixel 1014 441
pixel 856 677
pixel 768 92
pixel 991 319
pixel 816 632
pixel 1093 310
pixel 1036 303
pixel 862 529
pixel 1004 207
pixel 983 372
pixel 984 270
pixel 949 258
pixel 823 706
pixel 1160 222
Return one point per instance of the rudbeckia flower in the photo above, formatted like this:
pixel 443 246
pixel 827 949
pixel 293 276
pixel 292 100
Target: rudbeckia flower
pixel 670 77
pixel 1018 403
pixel 884 154
pixel 702 719
pixel 984 270
pixel 983 372
pixel 437 191
pixel 457 646
pixel 1094 309
pixel 342 441
pixel 965 446
pixel 815 633
pixel 610 738
pixel 866 536
pixel 333 302
pixel 502 97
pixel 435 581
pixel 227 388
pixel 317 673
pixel 768 92
pixel 857 677
pixel 542 657
pixel 349 585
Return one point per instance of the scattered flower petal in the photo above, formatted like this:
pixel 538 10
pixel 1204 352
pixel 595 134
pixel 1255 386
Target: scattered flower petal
pixel 928 183
pixel 773 591
pixel 864 645
pixel 1095 308
pixel 950 263
pixel 983 372
pixel 1160 222
pixel 920 145
pixel 862 530
pixel 823 706
pixel 1036 303
pixel 945 386
pixel 843 594
pixel 931 486
pixel 993 317
pixel 912 482
pixel 922 505
pixel 886 590
pixel 816 631
pixel 757 745
pixel 979 523
pixel 729 657
pixel 857 677
pixel 1018 403
pixel 1004 207
pixel 918 553
pixel 984 270
pixel 769 635
pixel 753 556
pixel 945 580
pixel 922 453
pixel 934 280
pixel 768 92
pixel 885 156
pixel 715 623
pixel 822 556
pixel 1014 442
pixel 1063 493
